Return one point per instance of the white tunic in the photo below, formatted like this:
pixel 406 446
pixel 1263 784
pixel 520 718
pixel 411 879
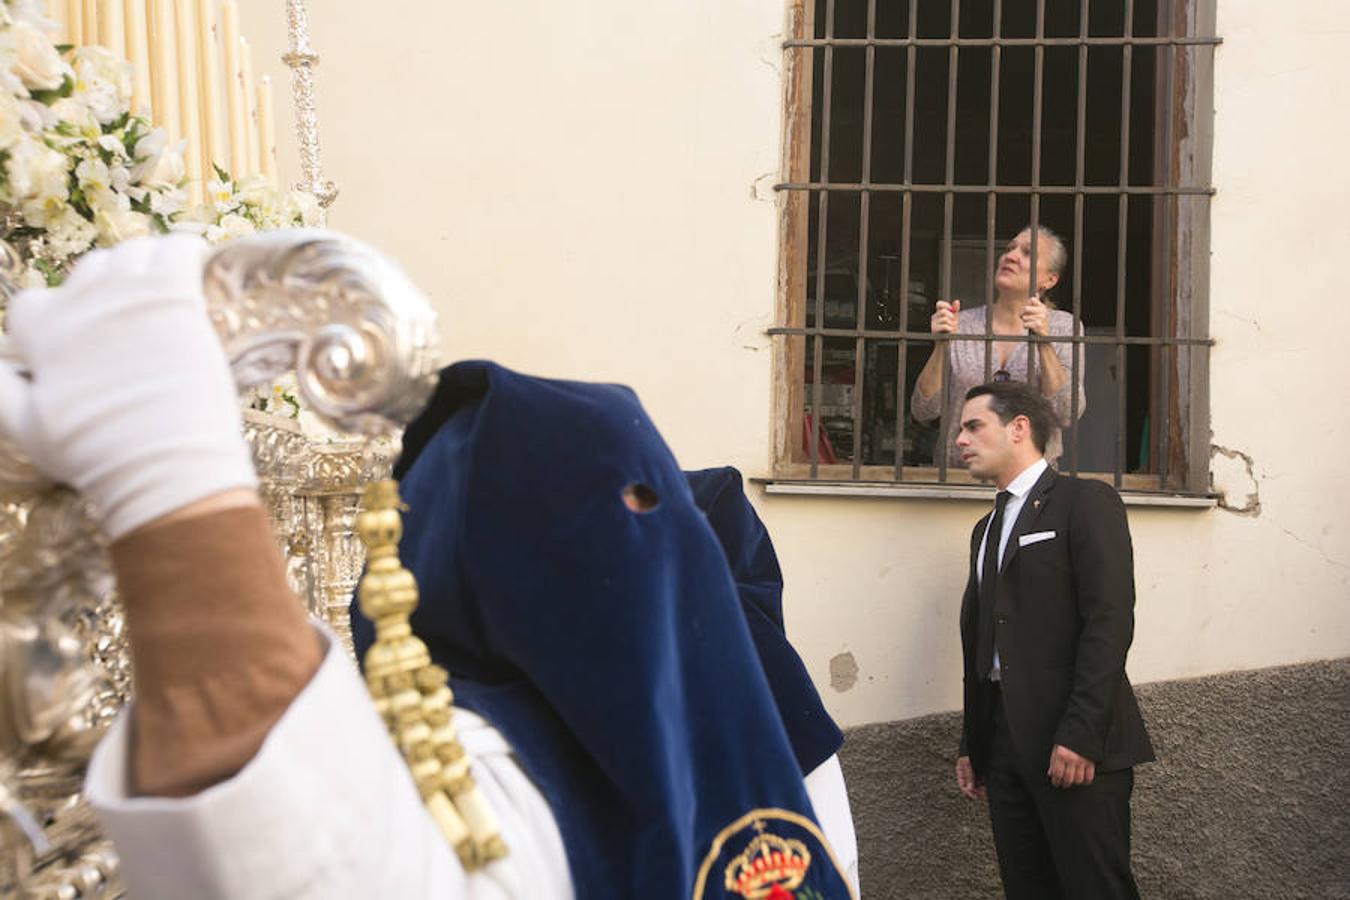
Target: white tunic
pixel 327 809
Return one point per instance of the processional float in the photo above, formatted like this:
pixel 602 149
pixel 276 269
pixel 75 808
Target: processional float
pixel 360 341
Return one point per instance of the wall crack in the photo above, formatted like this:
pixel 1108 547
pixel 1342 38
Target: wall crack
pixel 762 187
pixel 1233 479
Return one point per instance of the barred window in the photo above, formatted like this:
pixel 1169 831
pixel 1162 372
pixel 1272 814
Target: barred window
pixel 922 138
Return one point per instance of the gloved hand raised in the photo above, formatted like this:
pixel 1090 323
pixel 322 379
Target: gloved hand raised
pixel 131 400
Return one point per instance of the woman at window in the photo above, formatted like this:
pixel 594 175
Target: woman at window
pixel 1018 309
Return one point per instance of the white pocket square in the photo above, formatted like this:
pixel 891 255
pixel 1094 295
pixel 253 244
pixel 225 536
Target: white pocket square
pixel 1034 538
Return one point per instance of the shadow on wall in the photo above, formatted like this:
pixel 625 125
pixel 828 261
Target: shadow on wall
pixel 1250 797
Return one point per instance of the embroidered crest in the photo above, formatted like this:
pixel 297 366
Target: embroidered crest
pixel 769 867
pixel 771 854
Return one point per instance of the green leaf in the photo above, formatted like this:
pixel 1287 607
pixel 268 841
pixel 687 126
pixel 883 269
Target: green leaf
pixel 47 98
pixel 221 174
pixel 51 273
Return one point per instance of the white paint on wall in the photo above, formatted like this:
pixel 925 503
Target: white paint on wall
pixel 585 191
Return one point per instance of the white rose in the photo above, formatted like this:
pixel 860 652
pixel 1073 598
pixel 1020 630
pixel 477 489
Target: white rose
pixel 230 227
pixel 169 169
pixel 116 225
pixel 95 64
pixel 36 172
pixel 74 113
pixel 11 122
pixel 36 61
pixel 253 190
pixel 101 98
pixel 159 165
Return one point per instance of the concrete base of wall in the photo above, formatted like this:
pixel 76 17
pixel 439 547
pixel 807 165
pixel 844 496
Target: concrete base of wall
pixel 1250 797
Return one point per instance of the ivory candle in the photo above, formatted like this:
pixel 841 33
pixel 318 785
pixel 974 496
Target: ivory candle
pixel 267 131
pixel 74 22
pixel 89 24
pixel 138 54
pixel 234 88
pixel 164 68
pixel 189 109
pixel 111 27
pixel 56 11
pixel 251 110
pixel 209 82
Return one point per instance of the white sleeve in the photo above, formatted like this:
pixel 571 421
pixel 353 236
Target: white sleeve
pixel 829 798
pixel 326 809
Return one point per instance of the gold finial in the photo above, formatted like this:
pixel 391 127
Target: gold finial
pixel 412 694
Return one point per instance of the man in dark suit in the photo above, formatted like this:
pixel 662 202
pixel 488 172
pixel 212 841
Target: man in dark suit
pixel 1051 727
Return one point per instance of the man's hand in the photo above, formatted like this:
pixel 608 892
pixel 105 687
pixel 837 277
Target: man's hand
pixel 944 319
pixel 1068 769
pixel 967 781
pixel 1036 316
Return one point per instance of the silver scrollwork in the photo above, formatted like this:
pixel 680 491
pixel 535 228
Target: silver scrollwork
pixel 361 340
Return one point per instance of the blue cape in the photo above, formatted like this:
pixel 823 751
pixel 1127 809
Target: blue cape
pixel 759 582
pixel 608 646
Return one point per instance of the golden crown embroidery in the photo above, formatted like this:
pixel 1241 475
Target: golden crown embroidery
pixel 769 867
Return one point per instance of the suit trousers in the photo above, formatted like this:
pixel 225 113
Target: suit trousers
pixel 1057 843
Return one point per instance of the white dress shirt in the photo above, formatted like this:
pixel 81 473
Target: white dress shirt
pixel 1018 489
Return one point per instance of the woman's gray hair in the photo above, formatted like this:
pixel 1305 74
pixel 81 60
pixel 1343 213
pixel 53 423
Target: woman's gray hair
pixel 1059 253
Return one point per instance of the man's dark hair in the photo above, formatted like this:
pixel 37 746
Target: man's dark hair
pixel 1010 399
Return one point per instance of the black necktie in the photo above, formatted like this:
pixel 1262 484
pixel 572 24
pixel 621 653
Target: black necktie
pixel 984 652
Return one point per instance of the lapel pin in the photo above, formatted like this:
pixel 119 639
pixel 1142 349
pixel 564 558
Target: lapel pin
pixel 1036 504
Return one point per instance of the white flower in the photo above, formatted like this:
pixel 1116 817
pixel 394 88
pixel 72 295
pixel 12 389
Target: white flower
pixel 113 144
pixel 221 196
pixel 189 225
pixel 159 165
pixel 231 226
pixel 304 206
pixel 36 61
pixel 168 202
pixel 97 65
pixel 32 277
pixel 69 233
pixel 116 224
pixel 253 190
pixel 77 117
pixel 94 177
pixel 36 172
pixel 11 121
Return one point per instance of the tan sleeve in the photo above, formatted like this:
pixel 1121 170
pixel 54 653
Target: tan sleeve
pixel 220 646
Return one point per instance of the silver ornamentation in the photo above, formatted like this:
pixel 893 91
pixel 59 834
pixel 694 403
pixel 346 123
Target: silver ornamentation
pixel 360 339
pixel 359 336
pixel 302 61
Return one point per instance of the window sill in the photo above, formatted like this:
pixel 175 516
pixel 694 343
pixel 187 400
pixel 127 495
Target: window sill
pixel 981 493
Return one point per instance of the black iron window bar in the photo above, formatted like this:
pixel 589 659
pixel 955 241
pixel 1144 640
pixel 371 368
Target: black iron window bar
pixel 907 188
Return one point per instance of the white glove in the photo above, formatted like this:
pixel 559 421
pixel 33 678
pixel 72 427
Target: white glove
pixel 131 400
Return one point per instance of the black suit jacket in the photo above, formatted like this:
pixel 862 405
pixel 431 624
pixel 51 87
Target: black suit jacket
pixel 1063 623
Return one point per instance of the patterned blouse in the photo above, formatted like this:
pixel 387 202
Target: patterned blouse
pixel 966 359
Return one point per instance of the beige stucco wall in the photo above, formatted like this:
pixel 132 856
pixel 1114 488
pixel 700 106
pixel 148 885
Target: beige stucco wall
pixel 584 191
